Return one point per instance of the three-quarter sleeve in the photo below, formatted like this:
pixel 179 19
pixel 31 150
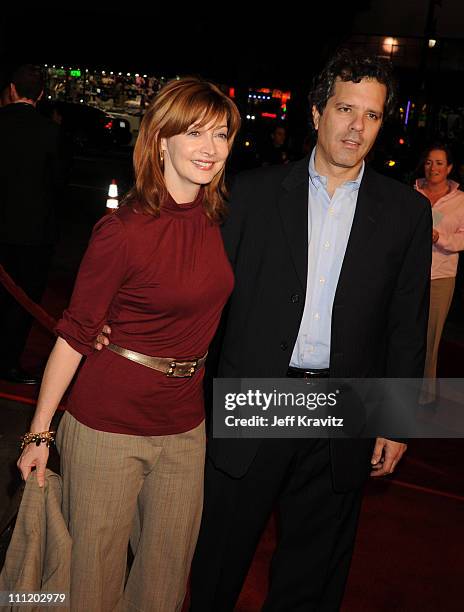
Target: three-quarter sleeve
pixel 101 274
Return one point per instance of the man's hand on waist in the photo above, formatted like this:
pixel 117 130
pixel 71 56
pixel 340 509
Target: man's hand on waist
pixel 102 338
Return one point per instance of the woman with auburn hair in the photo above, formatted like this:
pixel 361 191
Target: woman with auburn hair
pixel 447 202
pixel 132 440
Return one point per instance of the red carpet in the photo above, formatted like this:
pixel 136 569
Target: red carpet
pixel 40 341
pixel 409 553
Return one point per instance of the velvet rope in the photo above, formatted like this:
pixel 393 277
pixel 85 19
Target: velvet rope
pixel 20 296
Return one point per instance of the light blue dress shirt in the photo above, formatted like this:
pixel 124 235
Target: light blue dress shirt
pixel 329 226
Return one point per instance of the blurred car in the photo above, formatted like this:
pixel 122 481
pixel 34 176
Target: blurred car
pixel 88 127
pixel 133 119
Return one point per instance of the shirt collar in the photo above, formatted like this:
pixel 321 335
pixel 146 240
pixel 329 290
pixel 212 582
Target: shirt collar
pixel 321 181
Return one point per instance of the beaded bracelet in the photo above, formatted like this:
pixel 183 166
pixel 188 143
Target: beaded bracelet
pixel 46 437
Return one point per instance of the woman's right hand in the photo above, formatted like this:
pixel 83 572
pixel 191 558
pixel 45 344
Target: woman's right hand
pixel 34 456
pixel 61 367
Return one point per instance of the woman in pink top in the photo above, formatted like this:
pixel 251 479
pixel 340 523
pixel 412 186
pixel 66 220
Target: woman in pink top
pixel 447 202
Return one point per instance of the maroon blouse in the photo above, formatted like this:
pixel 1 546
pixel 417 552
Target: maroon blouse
pixel 161 284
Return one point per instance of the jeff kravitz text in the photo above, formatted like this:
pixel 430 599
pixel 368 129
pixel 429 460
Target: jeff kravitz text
pixel 290 420
pixel 257 399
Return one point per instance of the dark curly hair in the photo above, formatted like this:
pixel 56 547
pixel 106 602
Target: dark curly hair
pixel 348 66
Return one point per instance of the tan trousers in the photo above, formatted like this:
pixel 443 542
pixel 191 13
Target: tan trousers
pixel 441 294
pixel 116 487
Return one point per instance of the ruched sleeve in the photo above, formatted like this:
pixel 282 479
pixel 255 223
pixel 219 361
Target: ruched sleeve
pixel 101 274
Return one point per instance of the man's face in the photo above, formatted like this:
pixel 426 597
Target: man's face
pixel 279 136
pixel 349 125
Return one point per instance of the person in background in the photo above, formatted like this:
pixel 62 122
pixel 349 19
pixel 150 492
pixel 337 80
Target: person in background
pixel 132 441
pixel 276 151
pixel 447 203
pixel 31 175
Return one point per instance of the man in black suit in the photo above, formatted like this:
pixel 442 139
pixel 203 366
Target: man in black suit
pixel 29 175
pixel 332 265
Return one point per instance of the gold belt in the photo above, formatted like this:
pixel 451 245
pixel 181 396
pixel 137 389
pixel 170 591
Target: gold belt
pixel 171 367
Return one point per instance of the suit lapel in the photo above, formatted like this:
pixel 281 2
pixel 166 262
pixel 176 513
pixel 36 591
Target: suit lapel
pixel 293 210
pixel 365 222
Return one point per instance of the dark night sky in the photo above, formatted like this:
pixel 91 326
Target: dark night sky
pixel 280 45
pixel 251 42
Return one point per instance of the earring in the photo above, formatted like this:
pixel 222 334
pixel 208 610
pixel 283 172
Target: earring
pixel 161 156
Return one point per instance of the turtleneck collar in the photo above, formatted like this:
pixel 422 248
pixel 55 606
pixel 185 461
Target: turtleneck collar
pixel 170 204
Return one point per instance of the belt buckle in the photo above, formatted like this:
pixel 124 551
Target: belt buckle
pixel 186 370
pixel 309 374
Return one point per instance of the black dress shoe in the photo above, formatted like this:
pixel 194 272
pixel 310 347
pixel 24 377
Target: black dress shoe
pixel 19 376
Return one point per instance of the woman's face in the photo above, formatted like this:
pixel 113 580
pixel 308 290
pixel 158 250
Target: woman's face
pixel 195 157
pixel 436 167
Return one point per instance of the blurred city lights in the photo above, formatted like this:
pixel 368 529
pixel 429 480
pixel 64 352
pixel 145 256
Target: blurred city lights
pixel 390 45
pixel 408 108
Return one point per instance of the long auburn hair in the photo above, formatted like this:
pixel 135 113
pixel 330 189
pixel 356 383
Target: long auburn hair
pixel 178 105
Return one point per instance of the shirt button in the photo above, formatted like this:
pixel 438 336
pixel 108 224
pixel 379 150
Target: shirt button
pixel 311 348
pixel 295 298
pixel 326 244
pixel 322 280
pixel 316 316
pixel 284 346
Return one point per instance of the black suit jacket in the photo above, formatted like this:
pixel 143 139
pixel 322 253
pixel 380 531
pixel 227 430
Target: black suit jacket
pixel 380 310
pixel 30 174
